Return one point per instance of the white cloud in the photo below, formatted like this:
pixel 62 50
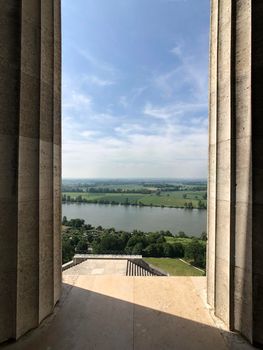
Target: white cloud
pixel 163 145
pixel 138 155
pixel 89 133
pixel 172 110
pixel 190 76
pixel 77 101
pixel 177 51
pixel 95 80
pixel 158 112
pixel 164 139
pixel 169 149
pixel 123 101
pixel 128 129
pixel 135 93
pixel 97 63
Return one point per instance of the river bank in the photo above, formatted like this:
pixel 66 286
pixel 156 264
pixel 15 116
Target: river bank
pixel 172 199
pixel 144 218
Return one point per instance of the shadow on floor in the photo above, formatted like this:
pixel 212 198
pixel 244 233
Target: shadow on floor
pixel 88 320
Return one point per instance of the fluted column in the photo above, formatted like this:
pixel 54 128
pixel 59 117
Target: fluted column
pixel 235 210
pixel 30 163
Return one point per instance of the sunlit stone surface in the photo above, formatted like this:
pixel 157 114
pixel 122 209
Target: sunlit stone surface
pixel 235 211
pixel 30 170
pixel 142 313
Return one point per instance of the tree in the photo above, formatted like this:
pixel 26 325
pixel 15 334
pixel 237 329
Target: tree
pixel 68 250
pixel 155 237
pixel 168 233
pixel 190 205
pixel 160 239
pixel 64 221
pixel 108 244
pixel 203 236
pixel 150 250
pixel 125 236
pixel 79 199
pixel 77 223
pixel 181 234
pixel 82 246
pixel 168 250
pixel 137 238
pixel 178 250
pixel 196 252
pixel 137 249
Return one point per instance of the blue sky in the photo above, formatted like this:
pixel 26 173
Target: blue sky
pixel 135 78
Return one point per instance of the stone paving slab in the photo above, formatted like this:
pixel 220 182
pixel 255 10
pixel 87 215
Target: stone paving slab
pixel 130 313
pixel 99 267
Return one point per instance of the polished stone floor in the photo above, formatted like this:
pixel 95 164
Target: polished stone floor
pixel 114 312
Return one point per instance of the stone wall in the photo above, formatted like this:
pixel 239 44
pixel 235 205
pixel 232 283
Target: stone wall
pixel 30 163
pixel 235 212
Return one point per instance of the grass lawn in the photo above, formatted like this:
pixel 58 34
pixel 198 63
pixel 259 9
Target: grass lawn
pixel 174 267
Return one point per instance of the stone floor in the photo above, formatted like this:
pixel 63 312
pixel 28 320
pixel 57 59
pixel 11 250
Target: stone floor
pixel 99 267
pixel 127 313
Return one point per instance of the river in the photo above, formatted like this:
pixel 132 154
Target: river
pixel 129 218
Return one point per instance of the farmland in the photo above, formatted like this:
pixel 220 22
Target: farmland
pixel 175 199
pixel 173 195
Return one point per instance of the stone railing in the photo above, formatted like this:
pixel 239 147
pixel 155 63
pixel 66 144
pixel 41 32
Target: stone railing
pixel 136 266
pixel 68 265
pixel 78 258
pixel 139 267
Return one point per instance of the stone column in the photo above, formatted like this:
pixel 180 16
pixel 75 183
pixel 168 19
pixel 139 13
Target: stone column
pixel 30 163
pixel 235 214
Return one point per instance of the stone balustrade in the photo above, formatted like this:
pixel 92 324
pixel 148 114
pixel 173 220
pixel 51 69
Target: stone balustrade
pixel 136 266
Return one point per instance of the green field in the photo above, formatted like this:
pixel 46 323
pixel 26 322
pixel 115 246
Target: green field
pixel 167 199
pixel 117 197
pixel 174 267
pixel 183 241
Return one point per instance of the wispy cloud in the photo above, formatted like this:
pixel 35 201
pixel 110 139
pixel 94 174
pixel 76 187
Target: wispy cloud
pixel 188 78
pixel 167 152
pixel 137 106
pixel 177 51
pixel 89 133
pixel 132 97
pixel 77 101
pixel 129 129
pixel 95 80
pixel 97 63
pixel 173 110
pixel 123 101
